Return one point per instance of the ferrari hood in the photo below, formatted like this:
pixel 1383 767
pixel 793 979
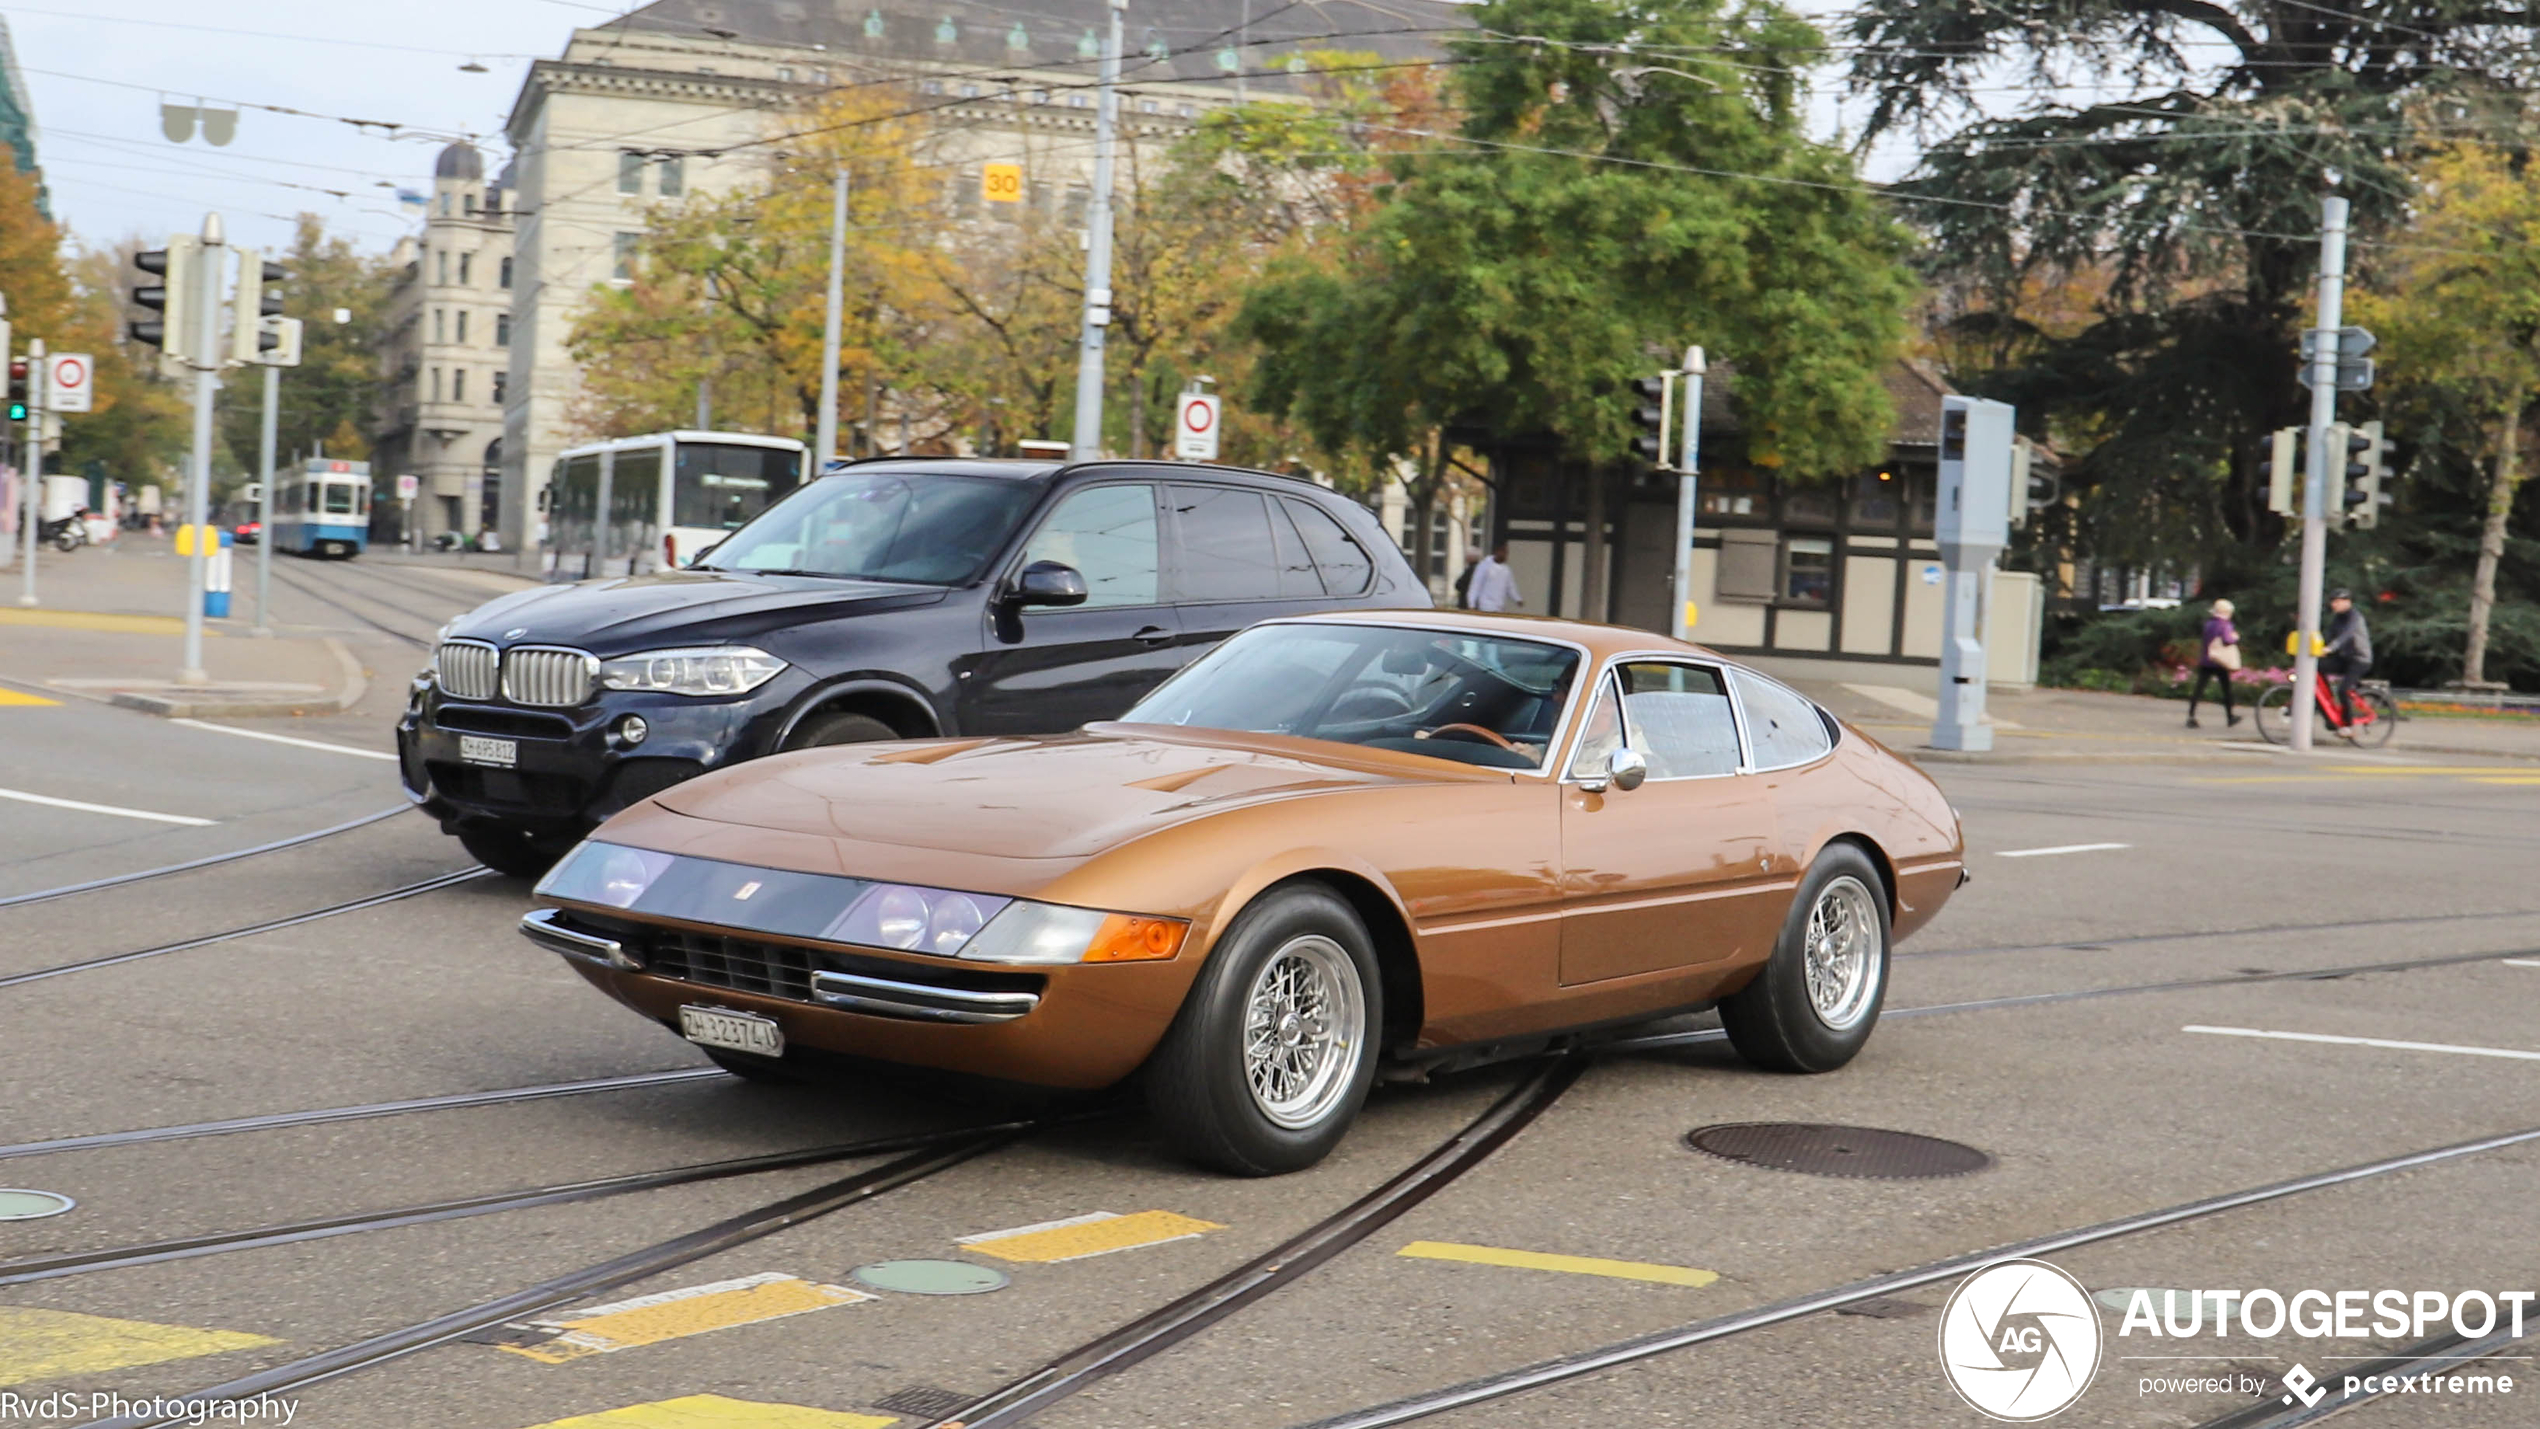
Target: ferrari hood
pixel 1068 796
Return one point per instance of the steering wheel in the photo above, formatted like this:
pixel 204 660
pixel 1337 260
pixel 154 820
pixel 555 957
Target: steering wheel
pixel 1490 735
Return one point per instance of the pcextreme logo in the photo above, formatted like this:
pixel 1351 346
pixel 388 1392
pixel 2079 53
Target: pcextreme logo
pixel 2019 1341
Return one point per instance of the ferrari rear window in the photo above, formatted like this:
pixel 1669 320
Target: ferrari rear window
pixel 1470 698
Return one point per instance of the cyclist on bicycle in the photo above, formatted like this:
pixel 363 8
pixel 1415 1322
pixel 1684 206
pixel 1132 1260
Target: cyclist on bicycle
pixel 2348 657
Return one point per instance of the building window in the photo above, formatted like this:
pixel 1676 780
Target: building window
pixel 1079 198
pixel 1149 106
pixel 784 74
pixel 1807 506
pixel 504 274
pixel 1807 571
pixel 1734 491
pixel 440 329
pixel 458 384
pixel 442 268
pixel 467 264
pixel 436 384
pixel 1078 101
pixel 462 327
pixel 674 176
pixel 624 267
pixel 1878 500
pixel 502 384
pixel 1187 111
pixel 445 203
pixel 630 173
pixel 502 329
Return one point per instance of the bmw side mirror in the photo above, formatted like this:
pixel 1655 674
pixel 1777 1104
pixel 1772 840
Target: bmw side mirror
pixel 1049 583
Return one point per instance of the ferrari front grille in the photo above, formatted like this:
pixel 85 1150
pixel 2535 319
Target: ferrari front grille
pixel 544 675
pixel 741 964
pixel 464 669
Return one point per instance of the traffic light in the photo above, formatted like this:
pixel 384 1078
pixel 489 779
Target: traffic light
pixel 2031 488
pixel 2370 459
pixel 2347 445
pixel 19 370
pixel 259 297
pixel 2284 479
pixel 1650 411
pixel 176 267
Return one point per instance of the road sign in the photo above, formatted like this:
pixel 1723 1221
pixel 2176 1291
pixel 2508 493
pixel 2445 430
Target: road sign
pixel 1001 183
pixel 70 378
pixel 1195 427
pixel 408 487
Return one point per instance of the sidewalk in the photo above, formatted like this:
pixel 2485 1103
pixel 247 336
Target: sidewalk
pixel 111 629
pixel 2050 725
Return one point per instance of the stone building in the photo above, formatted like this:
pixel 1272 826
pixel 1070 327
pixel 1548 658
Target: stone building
pixel 445 360
pixel 678 97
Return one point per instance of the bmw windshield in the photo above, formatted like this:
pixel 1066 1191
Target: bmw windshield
pixel 920 527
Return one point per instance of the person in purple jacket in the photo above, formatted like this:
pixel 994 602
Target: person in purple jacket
pixel 2217 656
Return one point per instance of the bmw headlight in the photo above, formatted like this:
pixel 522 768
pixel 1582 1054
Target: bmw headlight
pixel 704 670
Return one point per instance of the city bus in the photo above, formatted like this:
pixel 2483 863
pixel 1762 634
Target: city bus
pixel 658 502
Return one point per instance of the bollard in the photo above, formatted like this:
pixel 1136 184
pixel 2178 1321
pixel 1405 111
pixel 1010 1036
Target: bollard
pixel 216 575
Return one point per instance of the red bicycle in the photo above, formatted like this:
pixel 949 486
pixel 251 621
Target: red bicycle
pixel 2375 719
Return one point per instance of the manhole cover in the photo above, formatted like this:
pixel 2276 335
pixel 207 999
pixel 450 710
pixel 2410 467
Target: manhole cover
pixel 32 1205
pixel 924 1399
pixel 930 1277
pixel 1837 1150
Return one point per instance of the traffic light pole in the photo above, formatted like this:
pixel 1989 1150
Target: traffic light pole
pixel 2323 466
pixel 264 499
pixel 1087 444
pixel 205 360
pixel 1688 480
pixel 826 441
pixel 31 463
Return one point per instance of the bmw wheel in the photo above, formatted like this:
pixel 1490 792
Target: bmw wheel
pixel 1812 1006
pixel 1271 1056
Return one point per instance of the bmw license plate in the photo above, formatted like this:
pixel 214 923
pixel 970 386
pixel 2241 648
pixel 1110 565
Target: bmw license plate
pixel 499 753
pixel 732 1031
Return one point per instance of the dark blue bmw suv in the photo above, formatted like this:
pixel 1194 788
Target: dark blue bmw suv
pixel 892 599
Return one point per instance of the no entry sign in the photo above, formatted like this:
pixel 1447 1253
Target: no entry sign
pixel 1195 427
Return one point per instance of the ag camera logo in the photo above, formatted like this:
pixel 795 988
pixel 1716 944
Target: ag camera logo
pixel 2019 1341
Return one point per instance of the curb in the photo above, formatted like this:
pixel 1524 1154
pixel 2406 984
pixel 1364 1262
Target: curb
pixel 175 702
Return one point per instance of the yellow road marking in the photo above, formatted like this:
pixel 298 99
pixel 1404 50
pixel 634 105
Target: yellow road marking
pixel 676 1314
pixel 713 1411
pixel 1077 1237
pixel 1574 1264
pixel 19 697
pixel 57 1344
pixel 98 620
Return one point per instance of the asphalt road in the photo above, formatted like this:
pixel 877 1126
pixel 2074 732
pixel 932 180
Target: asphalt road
pixel 2091 1109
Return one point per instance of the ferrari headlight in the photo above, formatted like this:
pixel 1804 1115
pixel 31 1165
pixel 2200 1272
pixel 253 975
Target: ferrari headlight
pixel 915 920
pixel 1048 933
pixel 704 670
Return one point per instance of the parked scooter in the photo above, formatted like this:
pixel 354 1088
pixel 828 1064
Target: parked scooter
pixel 67 534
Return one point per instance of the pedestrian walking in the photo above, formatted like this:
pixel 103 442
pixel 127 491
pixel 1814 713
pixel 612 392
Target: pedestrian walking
pixel 1494 585
pixel 2217 659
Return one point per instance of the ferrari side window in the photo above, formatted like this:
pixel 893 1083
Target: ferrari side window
pixel 1108 534
pixel 1602 735
pixel 1786 728
pixel 1680 719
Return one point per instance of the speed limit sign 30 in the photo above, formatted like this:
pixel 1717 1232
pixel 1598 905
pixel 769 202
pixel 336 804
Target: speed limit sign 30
pixel 1195 427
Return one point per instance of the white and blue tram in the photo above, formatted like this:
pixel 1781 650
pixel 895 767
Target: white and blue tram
pixel 323 509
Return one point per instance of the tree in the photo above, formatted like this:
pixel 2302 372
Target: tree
pixel 2192 201
pixel 327 402
pixel 2458 308
pixel 1625 181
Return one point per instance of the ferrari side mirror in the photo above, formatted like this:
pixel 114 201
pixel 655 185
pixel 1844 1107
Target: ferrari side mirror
pixel 1049 583
pixel 1626 768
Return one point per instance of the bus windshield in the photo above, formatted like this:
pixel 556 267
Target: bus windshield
pixel 719 486
pixel 889 526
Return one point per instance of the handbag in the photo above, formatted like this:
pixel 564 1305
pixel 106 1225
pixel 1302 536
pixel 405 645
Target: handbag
pixel 2226 655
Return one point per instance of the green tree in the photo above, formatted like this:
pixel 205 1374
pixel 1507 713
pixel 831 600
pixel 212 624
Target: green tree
pixel 1629 180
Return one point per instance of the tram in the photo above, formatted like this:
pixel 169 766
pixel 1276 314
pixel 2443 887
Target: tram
pixel 658 502
pixel 321 510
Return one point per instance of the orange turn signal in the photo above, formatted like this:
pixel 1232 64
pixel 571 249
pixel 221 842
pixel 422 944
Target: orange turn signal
pixel 1128 938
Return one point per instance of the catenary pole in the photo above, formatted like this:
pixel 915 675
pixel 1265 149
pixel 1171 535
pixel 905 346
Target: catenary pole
pixel 1088 440
pixel 205 357
pixel 31 463
pixel 827 448
pixel 2323 463
pixel 1688 484
pixel 265 433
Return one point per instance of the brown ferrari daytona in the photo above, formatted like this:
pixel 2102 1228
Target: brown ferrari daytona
pixel 1416 838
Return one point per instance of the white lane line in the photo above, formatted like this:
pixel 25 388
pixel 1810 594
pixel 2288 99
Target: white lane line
pixel 285 739
pixel 2521 962
pixel 2059 848
pixel 51 802
pixel 2382 1042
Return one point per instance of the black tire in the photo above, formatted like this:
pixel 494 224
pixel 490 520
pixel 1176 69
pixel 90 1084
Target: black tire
pixel 1198 1086
pixel 511 852
pixel 1774 1022
pixel 839 727
pixel 2274 714
pixel 2385 719
pixel 767 1071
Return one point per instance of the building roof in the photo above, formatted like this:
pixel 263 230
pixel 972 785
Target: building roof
pixel 459 161
pixel 1198 40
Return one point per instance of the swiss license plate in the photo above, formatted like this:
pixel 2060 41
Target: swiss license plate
pixel 732 1031
pixel 500 753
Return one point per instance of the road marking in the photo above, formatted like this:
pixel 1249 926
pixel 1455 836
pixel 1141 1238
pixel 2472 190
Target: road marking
pixel 118 811
pixel 286 739
pixel 2382 1042
pixel 2059 848
pixel 57 1344
pixel 21 698
pixel 1077 1237
pixel 98 620
pixel 1574 1264
pixel 677 1314
pixel 713 1411
pixel 2522 962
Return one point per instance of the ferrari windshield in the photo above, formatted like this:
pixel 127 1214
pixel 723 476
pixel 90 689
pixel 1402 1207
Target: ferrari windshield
pixel 1472 698
pixel 927 527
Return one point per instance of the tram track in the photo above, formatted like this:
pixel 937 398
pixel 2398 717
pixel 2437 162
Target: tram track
pixel 340 596
pixel 119 880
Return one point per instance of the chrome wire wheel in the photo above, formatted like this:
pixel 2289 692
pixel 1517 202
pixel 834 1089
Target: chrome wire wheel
pixel 1844 953
pixel 1304 1018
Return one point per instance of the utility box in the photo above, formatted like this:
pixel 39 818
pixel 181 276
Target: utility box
pixel 1973 521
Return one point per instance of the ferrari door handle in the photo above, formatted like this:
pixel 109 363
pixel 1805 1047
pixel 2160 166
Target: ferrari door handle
pixel 1153 635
